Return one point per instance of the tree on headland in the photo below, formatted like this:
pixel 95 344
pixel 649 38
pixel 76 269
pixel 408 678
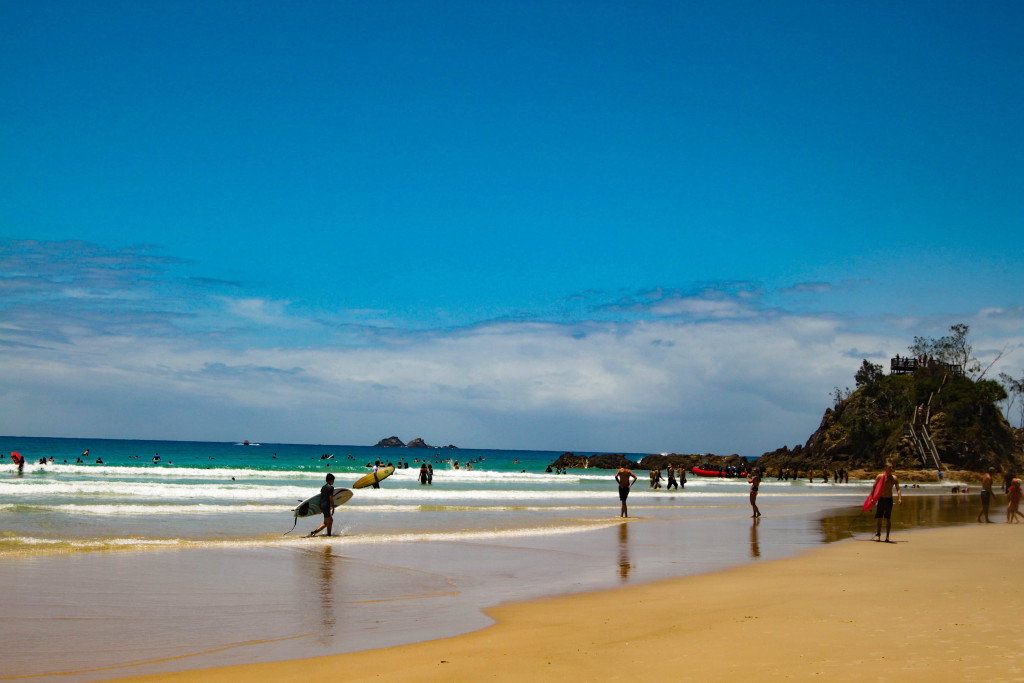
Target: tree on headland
pixel 869 373
pixel 839 395
pixel 954 349
pixel 872 424
pixel 1014 392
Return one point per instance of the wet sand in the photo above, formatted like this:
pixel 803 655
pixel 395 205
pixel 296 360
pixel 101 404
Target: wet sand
pixel 939 604
pixel 104 615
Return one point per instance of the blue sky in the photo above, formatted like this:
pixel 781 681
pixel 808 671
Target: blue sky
pixel 649 226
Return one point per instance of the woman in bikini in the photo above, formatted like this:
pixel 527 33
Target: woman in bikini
pixel 754 479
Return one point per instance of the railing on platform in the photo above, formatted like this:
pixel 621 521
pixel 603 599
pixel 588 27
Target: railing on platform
pixel 905 366
pixel 924 445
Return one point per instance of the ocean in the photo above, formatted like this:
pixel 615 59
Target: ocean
pixel 138 494
pixel 137 565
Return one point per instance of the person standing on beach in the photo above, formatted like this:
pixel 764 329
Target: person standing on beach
pixel 986 494
pixel 625 479
pixel 883 508
pixel 326 506
pixel 754 479
pixel 1012 511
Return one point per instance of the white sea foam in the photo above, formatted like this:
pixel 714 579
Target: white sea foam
pixel 343 471
pixel 12 544
pixel 24 490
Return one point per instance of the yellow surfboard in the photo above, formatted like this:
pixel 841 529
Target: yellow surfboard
pixel 380 475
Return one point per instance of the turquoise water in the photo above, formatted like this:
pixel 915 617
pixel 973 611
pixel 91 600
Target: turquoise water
pixel 229 494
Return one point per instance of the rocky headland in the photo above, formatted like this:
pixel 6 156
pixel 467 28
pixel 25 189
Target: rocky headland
pixel 890 418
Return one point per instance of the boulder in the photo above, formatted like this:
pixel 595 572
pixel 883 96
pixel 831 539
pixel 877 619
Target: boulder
pixel 607 461
pixel 611 461
pixel 391 442
pixel 569 460
pixel 417 443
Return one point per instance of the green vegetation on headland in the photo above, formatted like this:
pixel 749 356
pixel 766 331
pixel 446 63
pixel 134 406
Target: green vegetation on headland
pixel 939 393
pixel 935 411
pixel 872 425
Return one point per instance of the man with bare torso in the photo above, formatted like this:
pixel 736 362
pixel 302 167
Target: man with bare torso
pixel 625 479
pixel 986 494
pixel 883 508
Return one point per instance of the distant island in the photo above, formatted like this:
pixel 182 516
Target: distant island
pixel 395 442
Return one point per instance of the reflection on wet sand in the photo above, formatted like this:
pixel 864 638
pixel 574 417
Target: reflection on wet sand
pixel 624 564
pixel 327 616
pixel 319 565
pixel 755 547
pixel 917 511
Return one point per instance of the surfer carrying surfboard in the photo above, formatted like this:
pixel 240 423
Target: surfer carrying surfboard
pixel 886 481
pixel 327 506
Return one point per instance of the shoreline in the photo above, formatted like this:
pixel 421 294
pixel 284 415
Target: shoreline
pixel 936 604
pixel 117 614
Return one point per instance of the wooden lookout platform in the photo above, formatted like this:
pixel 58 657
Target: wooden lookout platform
pixel 905 366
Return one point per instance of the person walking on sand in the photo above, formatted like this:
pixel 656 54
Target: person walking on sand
pixel 625 479
pixel 883 508
pixel 326 506
pixel 986 494
pixel 754 479
pixel 1012 511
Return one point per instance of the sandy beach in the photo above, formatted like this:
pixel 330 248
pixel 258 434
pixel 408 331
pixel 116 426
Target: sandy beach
pixel 937 604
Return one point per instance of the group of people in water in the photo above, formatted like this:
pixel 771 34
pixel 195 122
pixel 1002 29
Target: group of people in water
pixel 839 476
pixel 1011 488
pixel 672 482
pixel 19 460
pixel 625 478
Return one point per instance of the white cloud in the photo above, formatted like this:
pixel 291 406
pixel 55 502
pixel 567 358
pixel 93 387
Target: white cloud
pixel 661 370
pixel 725 386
